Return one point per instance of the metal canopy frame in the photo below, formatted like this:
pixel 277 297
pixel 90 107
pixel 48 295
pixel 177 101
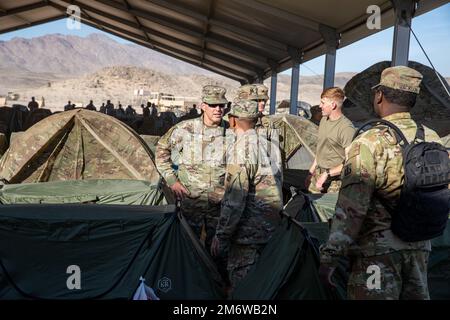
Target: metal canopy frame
pixel 240 39
pixel 244 40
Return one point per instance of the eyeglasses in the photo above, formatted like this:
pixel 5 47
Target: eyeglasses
pixel 213 106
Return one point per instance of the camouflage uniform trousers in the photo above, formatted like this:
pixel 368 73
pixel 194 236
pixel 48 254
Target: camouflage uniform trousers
pixel 200 216
pixel 330 185
pixel 241 259
pixel 403 276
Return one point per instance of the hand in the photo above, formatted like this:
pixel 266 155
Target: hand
pixel 322 178
pixel 326 275
pixel 215 247
pixel 180 191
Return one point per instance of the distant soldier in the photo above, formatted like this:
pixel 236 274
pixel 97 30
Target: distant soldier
pixel 371 183
pixel 120 112
pixel 129 111
pixel 33 105
pixel 316 114
pixel 253 196
pixel 193 113
pixel 68 106
pixel 110 108
pixel 145 111
pixel 199 182
pixel 103 108
pixel 91 106
pixel 335 135
pixel 153 110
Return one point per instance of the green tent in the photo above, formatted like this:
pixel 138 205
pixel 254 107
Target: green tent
pixel 113 232
pixel 112 245
pixel 129 192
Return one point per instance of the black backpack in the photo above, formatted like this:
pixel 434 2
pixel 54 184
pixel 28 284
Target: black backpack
pixel 424 204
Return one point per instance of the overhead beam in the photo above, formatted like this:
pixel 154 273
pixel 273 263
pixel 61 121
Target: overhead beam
pixel 168 53
pixel 23 9
pixel 32 24
pixel 138 22
pixel 285 15
pixel 161 46
pixel 211 6
pixel 228 26
pixel 154 18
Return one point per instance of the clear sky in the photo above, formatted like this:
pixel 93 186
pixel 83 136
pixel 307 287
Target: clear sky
pixel 432 29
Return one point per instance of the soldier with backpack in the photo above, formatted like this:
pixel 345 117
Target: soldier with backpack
pixel 394 198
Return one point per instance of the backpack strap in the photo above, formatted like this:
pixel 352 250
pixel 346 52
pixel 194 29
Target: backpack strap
pixel 398 133
pixel 420 133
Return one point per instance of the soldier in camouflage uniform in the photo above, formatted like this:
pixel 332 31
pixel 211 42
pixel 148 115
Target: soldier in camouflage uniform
pixel 199 144
pixel 253 197
pixel 254 92
pixel 371 182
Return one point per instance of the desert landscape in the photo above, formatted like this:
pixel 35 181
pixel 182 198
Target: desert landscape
pixel 59 68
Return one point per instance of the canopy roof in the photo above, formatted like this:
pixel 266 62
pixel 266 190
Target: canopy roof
pixel 242 40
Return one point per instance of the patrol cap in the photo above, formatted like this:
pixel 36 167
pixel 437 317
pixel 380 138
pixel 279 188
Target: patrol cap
pixel 244 109
pixel 253 92
pixel 214 95
pixel 401 78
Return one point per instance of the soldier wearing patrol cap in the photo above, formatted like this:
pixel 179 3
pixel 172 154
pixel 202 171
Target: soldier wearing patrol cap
pixel 253 198
pixel 371 183
pixel 199 145
pixel 256 92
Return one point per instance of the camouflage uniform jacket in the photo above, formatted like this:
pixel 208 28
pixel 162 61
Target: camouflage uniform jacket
pixel 200 152
pixel 253 198
pixel 372 176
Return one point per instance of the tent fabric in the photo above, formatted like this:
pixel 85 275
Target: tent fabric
pixel 294 276
pixel 78 145
pixel 120 192
pixel 323 204
pixel 294 131
pixel 295 247
pixel 151 141
pixel 113 246
pixel 432 107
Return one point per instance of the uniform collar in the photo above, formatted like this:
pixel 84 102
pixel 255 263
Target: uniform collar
pixel 398 116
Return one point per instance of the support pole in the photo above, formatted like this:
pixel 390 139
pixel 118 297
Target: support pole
pixel 273 91
pixel 294 87
pixel 296 59
pixel 331 39
pixel 404 11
